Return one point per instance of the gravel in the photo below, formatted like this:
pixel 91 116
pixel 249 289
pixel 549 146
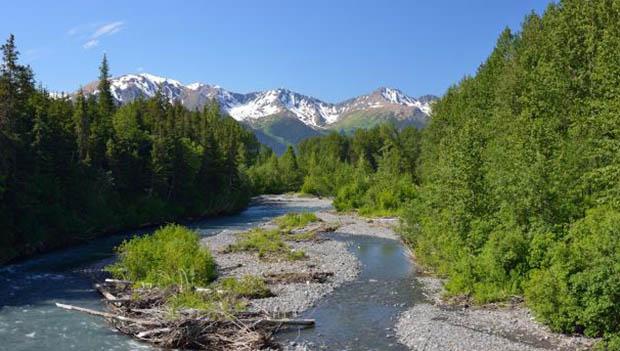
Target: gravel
pixel 436 326
pixel 293 298
pixel 354 225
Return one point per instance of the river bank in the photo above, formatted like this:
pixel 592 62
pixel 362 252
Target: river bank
pixel 438 325
pixel 427 322
pixel 375 300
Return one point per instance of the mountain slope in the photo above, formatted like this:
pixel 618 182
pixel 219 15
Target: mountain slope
pixel 280 116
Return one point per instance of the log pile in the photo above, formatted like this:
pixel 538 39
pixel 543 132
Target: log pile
pixel 141 314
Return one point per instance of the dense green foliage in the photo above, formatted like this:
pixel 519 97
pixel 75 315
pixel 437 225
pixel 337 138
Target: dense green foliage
pixel 520 172
pixel 372 171
pixel 512 189
pixel 71 168
pixel 172 255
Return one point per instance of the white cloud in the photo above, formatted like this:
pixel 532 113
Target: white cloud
pixel 90 44
pixel 108 29
pixel 97 31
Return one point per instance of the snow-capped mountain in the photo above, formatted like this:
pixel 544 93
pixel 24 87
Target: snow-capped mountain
pixel 257 105
pixel 279 116
pixel 383 97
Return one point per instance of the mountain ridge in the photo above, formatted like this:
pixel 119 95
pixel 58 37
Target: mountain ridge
pixel 274 109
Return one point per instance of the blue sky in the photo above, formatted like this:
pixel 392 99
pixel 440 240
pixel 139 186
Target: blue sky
pixel 332 50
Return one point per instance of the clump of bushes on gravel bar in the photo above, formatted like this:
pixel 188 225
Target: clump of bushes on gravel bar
pixel 172 255
pixel 267 243
pixel 291 221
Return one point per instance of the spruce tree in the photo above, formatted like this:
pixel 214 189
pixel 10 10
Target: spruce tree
pixel 106 100
pixel 82 126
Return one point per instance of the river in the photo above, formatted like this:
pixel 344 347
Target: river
pixel 358 316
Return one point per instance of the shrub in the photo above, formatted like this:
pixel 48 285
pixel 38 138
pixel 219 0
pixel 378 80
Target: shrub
pixel 266 243
pixel 292 221
pixel 351 196
pixel 580 289
pixel 172 255
pixel 609 343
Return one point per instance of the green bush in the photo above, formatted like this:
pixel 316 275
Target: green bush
pixel 292 221
pixel 172 255
pixel 609 343
pixel 350 197
pixel 267 243
pixel 580 289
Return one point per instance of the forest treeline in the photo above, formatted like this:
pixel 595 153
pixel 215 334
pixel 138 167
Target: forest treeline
pixel 74 167
pixel 512 189
pixel 520 172
pixel 514 186
pixel 371 171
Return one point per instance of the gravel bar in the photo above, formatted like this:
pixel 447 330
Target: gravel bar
pixel 434 325
pixel 290 298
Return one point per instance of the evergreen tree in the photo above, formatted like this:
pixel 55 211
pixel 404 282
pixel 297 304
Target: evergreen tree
pixel 82 126
pixel 105 98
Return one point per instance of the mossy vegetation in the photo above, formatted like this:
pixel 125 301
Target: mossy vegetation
pixel 309 235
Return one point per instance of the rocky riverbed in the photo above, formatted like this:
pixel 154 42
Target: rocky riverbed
pixel 428 323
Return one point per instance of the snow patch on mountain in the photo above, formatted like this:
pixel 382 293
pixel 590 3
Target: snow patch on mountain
pixel 253 106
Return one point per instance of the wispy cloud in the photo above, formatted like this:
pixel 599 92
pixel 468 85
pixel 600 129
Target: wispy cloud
pixel 108 29
pixel 90 44
pixel 92 33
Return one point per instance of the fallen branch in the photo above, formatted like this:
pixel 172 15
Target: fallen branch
pixel 147 333
pixel 108 295
pixel 280 322
pixel 108 315
pixel 118 281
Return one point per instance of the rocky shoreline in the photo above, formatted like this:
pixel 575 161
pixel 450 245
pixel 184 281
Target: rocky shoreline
pixel 438 325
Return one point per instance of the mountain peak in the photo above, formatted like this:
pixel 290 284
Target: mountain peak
pixel 253 106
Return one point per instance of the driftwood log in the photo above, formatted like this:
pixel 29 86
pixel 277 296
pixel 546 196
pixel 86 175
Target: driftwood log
pixel 144 317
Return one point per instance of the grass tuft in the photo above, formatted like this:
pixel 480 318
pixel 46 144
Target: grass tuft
pixel 267 243
pixel 291 221
pixel 250 287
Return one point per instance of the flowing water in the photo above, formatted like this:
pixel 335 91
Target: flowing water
pixel 361 315
pixel 354 317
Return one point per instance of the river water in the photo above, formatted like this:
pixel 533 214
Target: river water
pixel 357 316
